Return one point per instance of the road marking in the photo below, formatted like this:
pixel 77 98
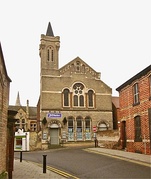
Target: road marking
pixel 117 157
pixel 62 173
pixel 67 175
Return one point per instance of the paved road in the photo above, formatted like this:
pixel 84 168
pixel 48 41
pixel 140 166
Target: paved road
pixel 84 165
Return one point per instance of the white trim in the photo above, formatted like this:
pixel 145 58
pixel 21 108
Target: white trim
pixel 52 92
pixel 54 126
pixel 50 76
pixel 103 94
pixel 145 140
pixel 129 140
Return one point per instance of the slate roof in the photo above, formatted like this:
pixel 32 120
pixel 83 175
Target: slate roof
pixel 115 101
pixel 135 77
pixel 49 30
pixel 32 110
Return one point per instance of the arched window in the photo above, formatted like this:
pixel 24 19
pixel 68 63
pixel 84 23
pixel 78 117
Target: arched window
pixel 137 123
pixel 70 129
pixel 79 128
pixel 18 121
pixel 90 98
pixel 23 124
pixel 66 97
pixel 78 95
pixel 136 93
pixel 23 121
pixel 102 126
pixel 50 54
pixel 75 100
pixel 83 68
pixel 17 125
pixel 87 128
pixel 77 66
pixel 72 67
pixel 81 100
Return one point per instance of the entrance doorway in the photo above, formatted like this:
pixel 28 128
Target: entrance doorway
pixel 123 134
pixel 54 136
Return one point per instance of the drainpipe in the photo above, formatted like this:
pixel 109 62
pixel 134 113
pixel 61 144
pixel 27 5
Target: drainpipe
pixel 144 145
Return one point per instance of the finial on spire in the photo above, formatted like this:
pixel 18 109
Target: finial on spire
pixel 49 30
pixel 18 100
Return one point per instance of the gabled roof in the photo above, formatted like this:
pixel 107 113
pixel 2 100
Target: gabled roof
pixel 137 76
pixel 77 59
pixel 32 110
pixel 3 63
pixel 115 101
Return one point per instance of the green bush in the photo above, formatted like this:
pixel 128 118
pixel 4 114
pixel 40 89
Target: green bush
pixel 3 175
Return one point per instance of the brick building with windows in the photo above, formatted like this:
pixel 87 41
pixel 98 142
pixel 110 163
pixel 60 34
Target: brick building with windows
pixel 26 116
pixel 73 98
pixel 26 122
pixel 135 112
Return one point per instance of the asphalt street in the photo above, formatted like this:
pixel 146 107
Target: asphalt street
pixel 94 162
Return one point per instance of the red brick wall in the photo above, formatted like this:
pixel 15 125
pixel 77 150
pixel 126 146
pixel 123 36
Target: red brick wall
pixel 128 112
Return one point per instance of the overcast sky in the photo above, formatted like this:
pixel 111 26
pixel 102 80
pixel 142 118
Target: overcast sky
pixel 112 36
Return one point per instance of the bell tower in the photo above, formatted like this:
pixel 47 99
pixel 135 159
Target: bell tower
pixel 49 52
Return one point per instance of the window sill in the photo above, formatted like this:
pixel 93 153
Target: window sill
pixel 136 104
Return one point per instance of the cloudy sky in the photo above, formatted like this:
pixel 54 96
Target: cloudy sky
pixel 112 36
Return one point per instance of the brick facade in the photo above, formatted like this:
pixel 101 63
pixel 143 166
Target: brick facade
pixel 129 111
pixel 4 100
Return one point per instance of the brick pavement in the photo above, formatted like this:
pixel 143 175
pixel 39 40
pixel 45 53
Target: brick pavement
pixel 29 170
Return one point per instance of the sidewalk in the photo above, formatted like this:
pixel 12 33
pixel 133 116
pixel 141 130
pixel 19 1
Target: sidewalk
pixel 29 170
pixel 26 169
pixel 123 154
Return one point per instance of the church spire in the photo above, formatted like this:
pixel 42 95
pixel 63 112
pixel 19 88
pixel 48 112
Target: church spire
pixel 18 100
pixel 49 30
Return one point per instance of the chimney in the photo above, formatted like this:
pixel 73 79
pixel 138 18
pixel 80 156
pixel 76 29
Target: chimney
pixel 27 108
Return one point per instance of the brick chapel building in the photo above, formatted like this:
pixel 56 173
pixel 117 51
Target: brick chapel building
pixel 74 101
pixel 135 112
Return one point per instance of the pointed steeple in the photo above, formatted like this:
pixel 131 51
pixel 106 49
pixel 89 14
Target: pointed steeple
pixel 49 31
pixel 18 100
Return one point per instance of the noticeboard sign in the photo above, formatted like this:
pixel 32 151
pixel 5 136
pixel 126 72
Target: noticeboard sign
pixel 54 115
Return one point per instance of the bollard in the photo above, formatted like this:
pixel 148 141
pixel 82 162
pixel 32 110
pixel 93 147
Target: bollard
pixel 20 156
pixel 44 163
pixel 96 142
